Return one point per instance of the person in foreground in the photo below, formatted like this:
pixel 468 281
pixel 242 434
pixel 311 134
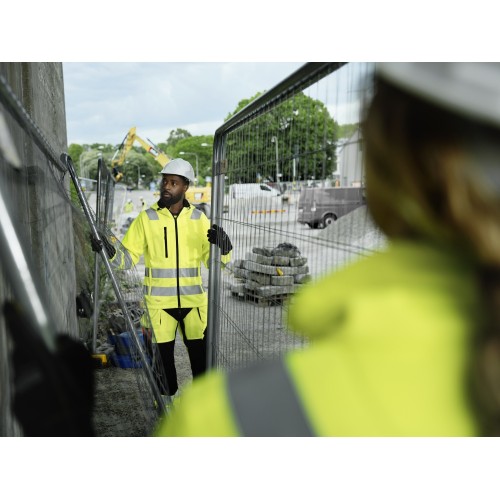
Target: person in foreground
pixel 405 342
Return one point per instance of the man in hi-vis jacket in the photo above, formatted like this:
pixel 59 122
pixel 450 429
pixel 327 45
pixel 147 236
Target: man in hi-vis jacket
pixel 174 238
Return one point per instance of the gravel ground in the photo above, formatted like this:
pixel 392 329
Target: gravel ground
pixel 119 407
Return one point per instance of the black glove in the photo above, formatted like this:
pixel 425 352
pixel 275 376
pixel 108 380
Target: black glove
pixel 217 236
pixel 97 245
pixel 53 393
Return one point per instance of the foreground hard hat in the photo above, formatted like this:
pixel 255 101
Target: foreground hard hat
pixel 181 167
pixel 469 89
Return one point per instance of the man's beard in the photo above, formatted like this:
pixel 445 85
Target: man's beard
pixel 168 202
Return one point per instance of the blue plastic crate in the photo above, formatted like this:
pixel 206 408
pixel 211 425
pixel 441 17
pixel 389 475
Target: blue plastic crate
pixel 123 343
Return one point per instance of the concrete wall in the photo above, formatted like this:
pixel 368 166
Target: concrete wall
pixel 38 197
pixel 40 88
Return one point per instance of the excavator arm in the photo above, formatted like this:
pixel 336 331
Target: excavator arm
pixel 200 197
pixel 126 145
pixel 159 156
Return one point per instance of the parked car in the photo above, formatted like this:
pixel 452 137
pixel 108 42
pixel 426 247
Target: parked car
pixel 320 207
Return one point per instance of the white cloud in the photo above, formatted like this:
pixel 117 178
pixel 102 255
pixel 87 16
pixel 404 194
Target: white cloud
pixel 103 100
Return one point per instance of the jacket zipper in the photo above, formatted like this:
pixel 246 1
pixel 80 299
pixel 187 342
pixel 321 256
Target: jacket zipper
pixel 177 263
pixel 165 239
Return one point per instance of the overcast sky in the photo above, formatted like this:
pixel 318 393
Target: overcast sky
pixel 104 100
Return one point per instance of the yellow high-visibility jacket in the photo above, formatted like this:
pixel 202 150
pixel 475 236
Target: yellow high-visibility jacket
pixel 173 249
pixel 390 339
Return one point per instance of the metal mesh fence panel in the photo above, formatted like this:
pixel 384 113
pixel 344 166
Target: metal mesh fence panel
pixel 117 326
pixel 288 174
pixel 54 233
pixel 35 190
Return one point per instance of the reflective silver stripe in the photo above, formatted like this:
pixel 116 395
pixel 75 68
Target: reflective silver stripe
pixel 171 291
pixel 265 403
pixel 152 214
pixel 184 272
pixel 196 214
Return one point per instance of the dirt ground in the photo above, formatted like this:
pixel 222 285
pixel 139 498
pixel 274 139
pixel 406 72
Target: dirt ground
pixel 119 408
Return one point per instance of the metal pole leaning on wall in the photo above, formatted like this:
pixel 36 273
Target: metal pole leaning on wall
pixel 19 274
pixel 17 111
pixel 16 264
pixel 66 159
pixel 96 263
pixel 108 196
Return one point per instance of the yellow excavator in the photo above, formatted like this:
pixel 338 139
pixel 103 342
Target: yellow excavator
pixel 200 197
pixel 126 145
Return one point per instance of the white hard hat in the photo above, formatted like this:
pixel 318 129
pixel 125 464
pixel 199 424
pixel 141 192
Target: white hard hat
pixel 470 89
pixel 181 167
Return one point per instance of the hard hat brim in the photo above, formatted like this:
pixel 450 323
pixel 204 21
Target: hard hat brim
pixel 469 89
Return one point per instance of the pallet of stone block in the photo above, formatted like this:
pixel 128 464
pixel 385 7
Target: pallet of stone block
pixel 274 270
pixel 283 249
pixel 271 300
pixel 276 294
pixel 238 290
pixel 280 258
pixel 275 260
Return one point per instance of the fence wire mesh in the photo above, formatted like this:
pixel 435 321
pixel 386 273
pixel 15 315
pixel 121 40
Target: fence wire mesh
pixel 112 314
pixel 289 175
pixel 272 161
pixel 54 232
pixel 35 192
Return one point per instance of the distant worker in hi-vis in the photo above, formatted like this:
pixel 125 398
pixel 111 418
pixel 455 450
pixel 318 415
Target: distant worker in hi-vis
pixel 129 207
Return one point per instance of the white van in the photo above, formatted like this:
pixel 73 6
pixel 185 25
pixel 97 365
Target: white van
pixel 247 200
pixel 252 190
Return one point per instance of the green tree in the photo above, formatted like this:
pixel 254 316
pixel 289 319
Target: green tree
pixel 88 162
pixel 75 151
pixel 302 131
pixel 347 130
pixel 174 137
pixel 105 148
pixel 139 162
pixel 243 103
pixel 138 166
pixel 193 149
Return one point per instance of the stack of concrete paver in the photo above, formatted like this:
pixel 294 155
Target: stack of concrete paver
pixel 270 275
